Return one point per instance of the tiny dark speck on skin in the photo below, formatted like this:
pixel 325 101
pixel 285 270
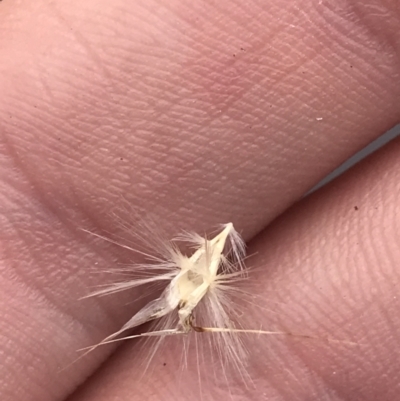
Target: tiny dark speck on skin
pixel 164 364
pixel 355 207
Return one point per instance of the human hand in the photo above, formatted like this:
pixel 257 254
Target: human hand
pixel 200 113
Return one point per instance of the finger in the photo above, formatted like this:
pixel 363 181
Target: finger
pixel 70 113
pixel 327 268
pixel 194 104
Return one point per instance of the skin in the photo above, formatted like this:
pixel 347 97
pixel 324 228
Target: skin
pixel 200 113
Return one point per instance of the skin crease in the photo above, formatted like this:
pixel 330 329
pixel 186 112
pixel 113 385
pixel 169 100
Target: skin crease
pixel 199 113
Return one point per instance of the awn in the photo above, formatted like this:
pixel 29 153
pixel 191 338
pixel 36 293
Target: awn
pixel 198 287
